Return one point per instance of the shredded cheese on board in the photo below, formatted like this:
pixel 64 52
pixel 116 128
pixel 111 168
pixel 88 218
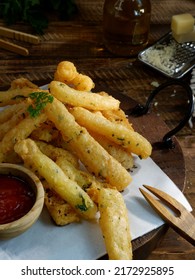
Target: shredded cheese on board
pixel 162 57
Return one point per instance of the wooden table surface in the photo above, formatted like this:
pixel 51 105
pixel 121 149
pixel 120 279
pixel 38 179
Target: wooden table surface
pixel 80 41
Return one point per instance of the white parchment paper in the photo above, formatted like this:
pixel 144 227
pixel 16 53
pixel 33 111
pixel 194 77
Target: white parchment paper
pixel 83 240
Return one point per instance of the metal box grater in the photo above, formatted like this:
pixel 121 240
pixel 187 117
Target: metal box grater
pixel 178 64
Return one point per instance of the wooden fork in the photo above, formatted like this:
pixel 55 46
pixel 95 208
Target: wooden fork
pixel 183 222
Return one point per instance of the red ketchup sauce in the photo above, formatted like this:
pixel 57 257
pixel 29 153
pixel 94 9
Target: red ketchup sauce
pixel 16 198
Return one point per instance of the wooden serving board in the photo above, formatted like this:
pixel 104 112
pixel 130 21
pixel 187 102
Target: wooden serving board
pixel 171 161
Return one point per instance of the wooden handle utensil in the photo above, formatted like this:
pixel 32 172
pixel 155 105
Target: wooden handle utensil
pixel 13 47
pixel 18 35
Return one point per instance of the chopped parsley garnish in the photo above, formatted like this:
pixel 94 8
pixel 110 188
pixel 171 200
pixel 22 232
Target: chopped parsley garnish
pixel 40 101
pixel 83 206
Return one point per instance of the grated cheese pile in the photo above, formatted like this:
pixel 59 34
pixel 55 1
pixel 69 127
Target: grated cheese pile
pixel 162 57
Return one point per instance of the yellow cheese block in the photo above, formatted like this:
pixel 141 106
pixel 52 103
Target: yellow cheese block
pixel 183 38
pixel 182 23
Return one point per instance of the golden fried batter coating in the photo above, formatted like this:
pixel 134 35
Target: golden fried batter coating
pixel 67 73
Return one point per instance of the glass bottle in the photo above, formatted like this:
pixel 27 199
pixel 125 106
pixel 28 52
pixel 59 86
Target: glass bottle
pixel 126 25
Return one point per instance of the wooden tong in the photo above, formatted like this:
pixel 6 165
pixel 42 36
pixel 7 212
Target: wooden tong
pixel 18 35
pixel 183 222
